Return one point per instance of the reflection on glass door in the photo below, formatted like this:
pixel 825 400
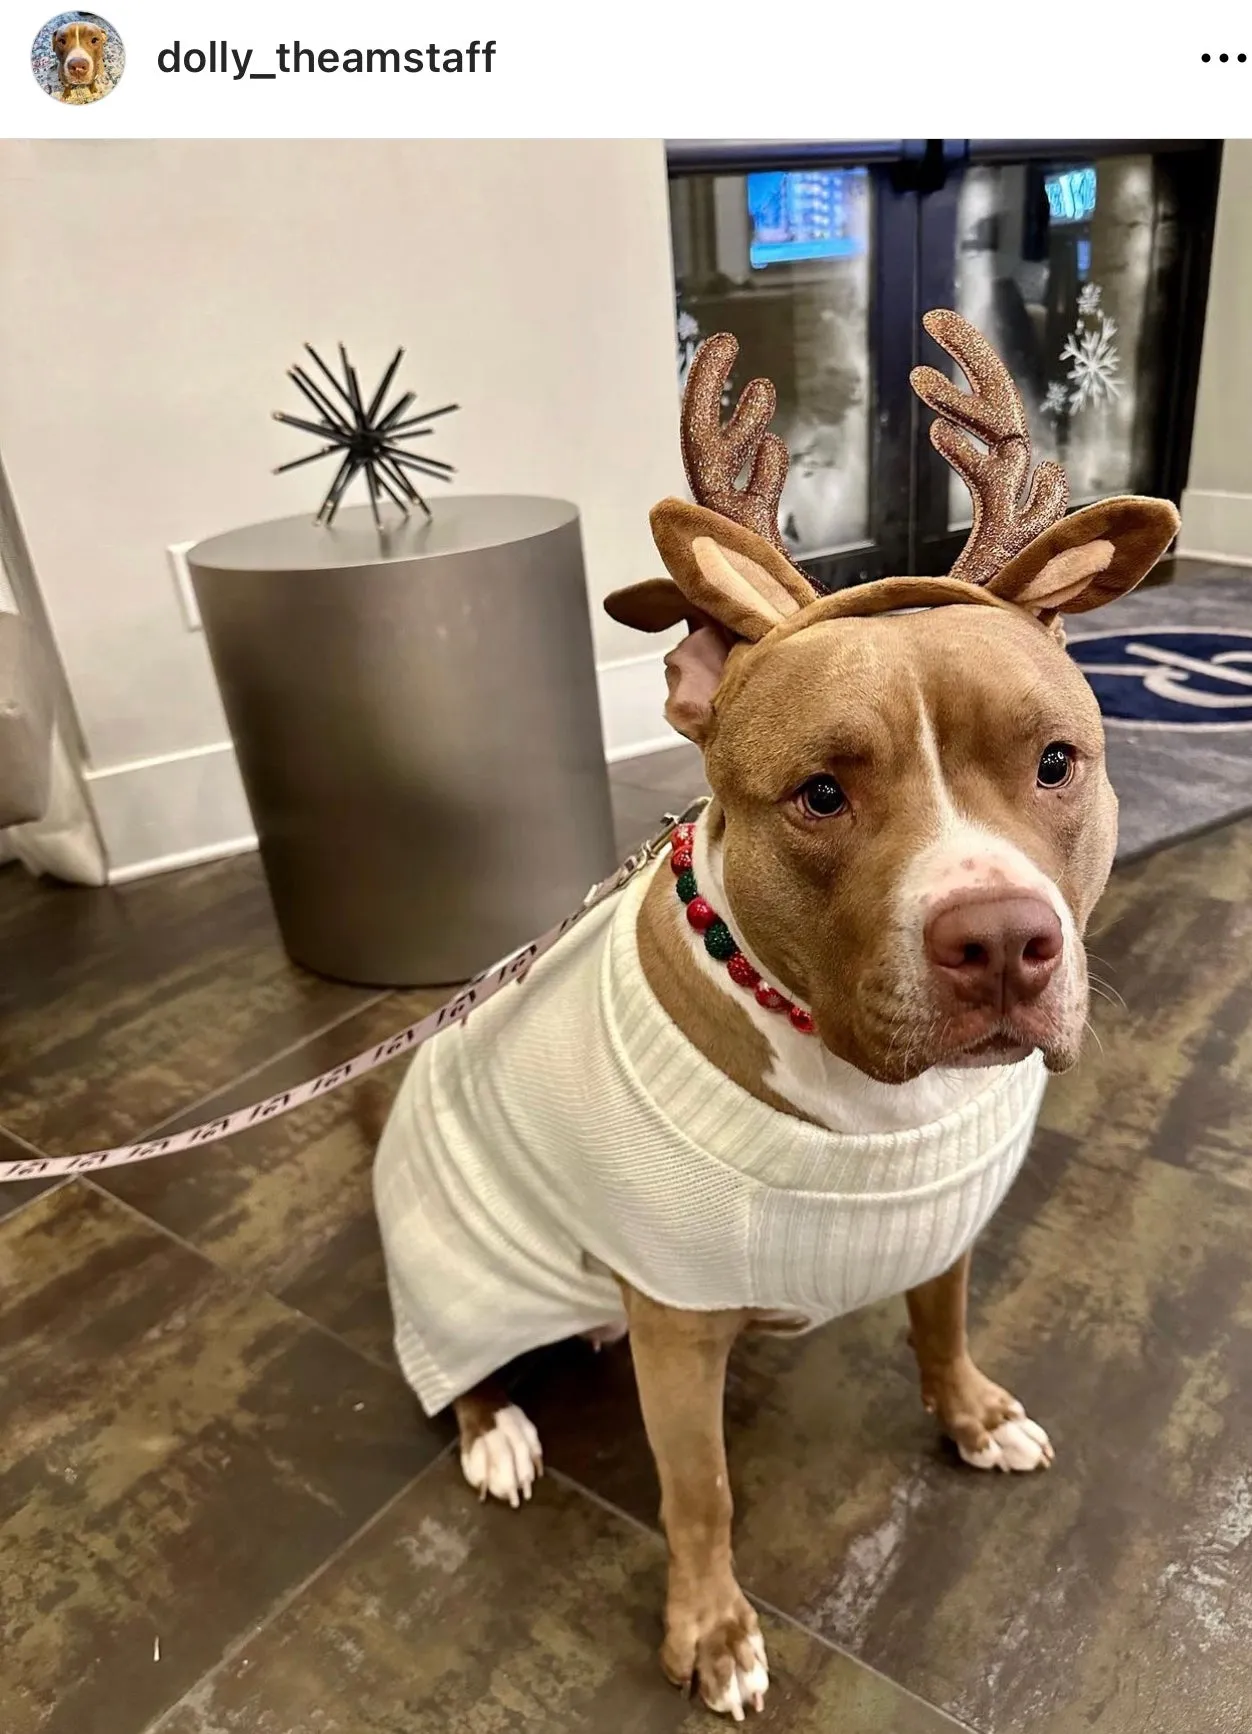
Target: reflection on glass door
pixel 782 260
pixel 1062 265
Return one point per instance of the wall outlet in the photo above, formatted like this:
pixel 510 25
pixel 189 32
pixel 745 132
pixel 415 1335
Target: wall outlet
pixel 176 554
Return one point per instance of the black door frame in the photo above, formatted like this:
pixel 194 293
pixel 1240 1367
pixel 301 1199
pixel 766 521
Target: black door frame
pixel 914 209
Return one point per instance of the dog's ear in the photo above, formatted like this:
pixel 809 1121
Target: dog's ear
pixel 1090 558
pixel 694 670
pixel 695 666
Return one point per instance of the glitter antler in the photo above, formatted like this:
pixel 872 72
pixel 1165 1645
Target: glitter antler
pixel 992 411
pixel 366 438
pixel 715 453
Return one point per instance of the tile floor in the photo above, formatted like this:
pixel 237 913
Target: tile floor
pixel 221 1513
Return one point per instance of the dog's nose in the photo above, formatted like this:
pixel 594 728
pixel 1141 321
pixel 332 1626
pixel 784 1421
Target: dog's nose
pixel 77 65
pixel 999 951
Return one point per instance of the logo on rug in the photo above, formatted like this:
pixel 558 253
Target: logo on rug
pixel 1178 677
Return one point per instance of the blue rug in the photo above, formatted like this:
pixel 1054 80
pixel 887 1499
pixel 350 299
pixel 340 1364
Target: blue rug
pixel 1172 668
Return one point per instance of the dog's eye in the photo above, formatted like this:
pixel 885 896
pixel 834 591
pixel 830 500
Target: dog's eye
pixel 822 798
pixel 1056 765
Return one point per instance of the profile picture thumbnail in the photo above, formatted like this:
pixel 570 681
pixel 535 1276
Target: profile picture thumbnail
pixel 78 57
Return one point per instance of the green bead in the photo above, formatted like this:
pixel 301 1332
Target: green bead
pixel 686 883
pixel 719 942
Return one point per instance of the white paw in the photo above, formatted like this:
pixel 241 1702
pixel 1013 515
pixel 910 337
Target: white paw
pixel 604 1336
pixel 506 1461
pixel 1020 1444
pixel 747 1687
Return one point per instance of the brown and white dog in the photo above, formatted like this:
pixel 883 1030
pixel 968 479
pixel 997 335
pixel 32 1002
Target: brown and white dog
pixel 79 49
pixel 910 826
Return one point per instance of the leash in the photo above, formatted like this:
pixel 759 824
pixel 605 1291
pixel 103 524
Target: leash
pixel 466 1000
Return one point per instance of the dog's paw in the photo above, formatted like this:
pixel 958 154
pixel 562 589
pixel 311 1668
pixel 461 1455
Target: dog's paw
pixel 506 1460
pixel 986 1423
pixel 722 1655
pixel 1017 1444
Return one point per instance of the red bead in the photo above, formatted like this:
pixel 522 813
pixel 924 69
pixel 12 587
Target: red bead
pixel 740 970
pixel 701 914
pixel 680 860
pixel 766 996
pixel 683 835
pixel 801 1020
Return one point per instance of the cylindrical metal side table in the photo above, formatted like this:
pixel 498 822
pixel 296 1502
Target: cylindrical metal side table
pixel 417 726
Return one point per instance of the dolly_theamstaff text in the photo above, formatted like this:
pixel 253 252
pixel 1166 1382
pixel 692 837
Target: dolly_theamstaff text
pixel 219 55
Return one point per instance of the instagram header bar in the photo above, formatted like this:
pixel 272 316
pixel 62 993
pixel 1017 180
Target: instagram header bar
pixel 381 68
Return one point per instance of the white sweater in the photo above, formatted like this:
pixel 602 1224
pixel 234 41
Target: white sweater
pixel 569 1130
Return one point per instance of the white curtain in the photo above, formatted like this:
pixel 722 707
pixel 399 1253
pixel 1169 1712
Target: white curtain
pixel 64 843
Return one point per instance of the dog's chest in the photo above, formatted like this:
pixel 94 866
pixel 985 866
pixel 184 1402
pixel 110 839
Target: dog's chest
pixel 580 1123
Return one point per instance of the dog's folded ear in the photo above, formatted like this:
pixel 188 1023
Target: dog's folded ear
pixel 694 670
pixel 1090 558
pixel 729 585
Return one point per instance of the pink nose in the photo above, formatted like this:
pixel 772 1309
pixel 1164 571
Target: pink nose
pixel 997 951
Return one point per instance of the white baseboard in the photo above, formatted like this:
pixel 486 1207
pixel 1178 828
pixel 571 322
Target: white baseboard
pixel 184 858
pixel 181 809
pixel 1216 525
pixel 632 698
pixel 171 811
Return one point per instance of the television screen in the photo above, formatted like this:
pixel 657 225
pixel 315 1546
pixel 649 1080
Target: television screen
pixel 1071 195
pixel 807 214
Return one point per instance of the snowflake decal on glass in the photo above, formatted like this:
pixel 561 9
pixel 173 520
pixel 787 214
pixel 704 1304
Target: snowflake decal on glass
pixel 688 343
pixel 687 327
pixel 1088 300
pixel 1056 399
pixel 1094 375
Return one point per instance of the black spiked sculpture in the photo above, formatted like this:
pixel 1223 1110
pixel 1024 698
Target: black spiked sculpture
pixel 365 438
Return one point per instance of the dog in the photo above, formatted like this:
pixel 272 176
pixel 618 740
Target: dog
pixel 794 1068
pixel 79 49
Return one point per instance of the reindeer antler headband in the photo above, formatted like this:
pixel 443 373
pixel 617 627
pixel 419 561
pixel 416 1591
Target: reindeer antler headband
pixel 714 456
pixel 729 564
pixel 993 411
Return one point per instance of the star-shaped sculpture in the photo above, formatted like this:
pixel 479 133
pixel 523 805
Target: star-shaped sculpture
pixel 365 439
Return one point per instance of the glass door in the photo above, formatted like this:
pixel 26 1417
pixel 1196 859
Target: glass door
pixel 806 254
pixel 1085 263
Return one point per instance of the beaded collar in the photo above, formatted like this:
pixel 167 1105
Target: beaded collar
pixel 720 942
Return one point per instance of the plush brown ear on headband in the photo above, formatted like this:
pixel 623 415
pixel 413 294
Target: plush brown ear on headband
pixel 728 584
pixel 654 605
pixel 1089 558
pixel 1021 546
pixel 729 573
pixel 719 571
pixel 730 578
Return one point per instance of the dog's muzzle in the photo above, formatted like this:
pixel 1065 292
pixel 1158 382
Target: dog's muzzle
pixel 79 68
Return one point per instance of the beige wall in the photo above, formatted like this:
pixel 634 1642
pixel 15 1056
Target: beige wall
pixel 152 295
pixel 1217 506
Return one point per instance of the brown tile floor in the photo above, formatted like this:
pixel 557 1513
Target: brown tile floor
pixel 220 1510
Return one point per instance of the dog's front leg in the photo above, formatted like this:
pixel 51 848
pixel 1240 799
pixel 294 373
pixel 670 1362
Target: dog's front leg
pixel 712 1635
pixel 989 1427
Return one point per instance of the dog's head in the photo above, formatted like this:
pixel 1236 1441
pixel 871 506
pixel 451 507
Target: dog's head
pixel 79 49
pixel 912 820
